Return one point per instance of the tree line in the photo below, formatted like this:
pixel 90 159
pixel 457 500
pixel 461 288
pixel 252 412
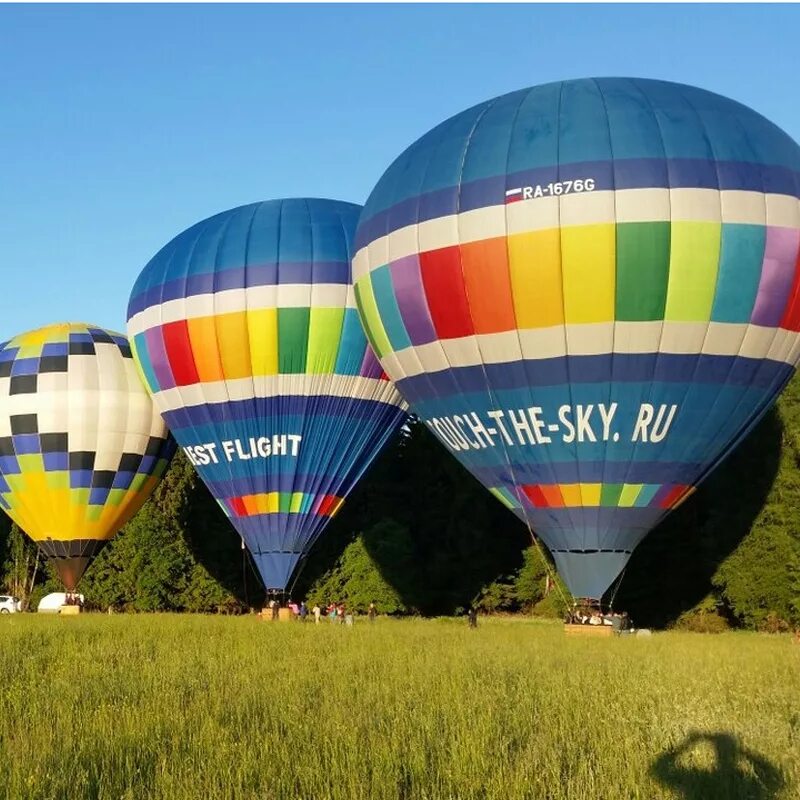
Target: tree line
pixel 420 536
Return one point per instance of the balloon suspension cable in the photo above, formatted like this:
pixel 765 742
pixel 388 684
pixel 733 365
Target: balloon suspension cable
pixel 552 573
pixel 246 554
pixel 298 569
pixel 617 584
pixel 509 461
pixel 244 574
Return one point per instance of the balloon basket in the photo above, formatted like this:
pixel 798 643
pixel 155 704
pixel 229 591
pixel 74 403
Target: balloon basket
pixel 588 630
pixel 284 615
pixel 69 611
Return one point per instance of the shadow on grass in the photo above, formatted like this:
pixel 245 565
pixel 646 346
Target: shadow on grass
pixel 736 774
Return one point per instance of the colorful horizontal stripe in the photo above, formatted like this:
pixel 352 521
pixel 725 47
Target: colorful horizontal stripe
pixel 692 272
pixel 254 344
pixel 610 495
pixel 252 505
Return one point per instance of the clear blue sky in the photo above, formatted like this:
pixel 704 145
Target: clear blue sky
pixel 122 125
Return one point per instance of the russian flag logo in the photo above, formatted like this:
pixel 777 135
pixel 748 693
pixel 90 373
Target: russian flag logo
pixel 513 195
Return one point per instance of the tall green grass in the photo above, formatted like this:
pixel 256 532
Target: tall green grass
pixel 172 707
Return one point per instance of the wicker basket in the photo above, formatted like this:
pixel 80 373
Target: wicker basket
pixel 588 630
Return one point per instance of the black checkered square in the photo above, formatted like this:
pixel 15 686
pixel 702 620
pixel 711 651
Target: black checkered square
pixel 81 349
pixel 23 384
pixel 24 423
pixel 130 462
pixel 81 460
pixel 53 364
pixel 103 479
pixel 154 445
pixel 54 442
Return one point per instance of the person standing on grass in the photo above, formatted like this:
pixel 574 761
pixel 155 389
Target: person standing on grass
pixel 303 611
pixel 472 617
pixel 274 605
pixel 317 612
pixel 372 612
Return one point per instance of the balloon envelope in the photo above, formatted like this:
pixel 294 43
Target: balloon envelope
pixel 589 292
pixel 246 330
pixel 81 445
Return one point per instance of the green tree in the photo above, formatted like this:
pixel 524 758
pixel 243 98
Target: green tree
pixel 357 579
pixel 22 563
pixel 533 588
pixel 153 563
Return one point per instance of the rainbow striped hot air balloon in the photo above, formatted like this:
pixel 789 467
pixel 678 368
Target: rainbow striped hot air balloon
pixel 246 331
pixel 81 445
pixel 589 291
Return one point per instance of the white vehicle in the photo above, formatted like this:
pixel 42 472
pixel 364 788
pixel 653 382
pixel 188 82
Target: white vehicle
pixel 9 604
pixel 51 603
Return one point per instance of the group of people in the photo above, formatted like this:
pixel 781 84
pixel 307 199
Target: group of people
pixel 336 613
pixel 593 616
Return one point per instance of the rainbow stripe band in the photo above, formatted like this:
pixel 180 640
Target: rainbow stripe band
pixel 281 503
pixel 607 495
pixel 682 272
pixel 319 341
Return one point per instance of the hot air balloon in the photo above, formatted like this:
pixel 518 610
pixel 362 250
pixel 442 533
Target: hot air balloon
pixel 589 291
pixel 81 445
pixel 246 331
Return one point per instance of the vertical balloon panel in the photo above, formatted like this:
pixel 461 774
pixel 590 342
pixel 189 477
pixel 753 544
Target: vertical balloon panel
pixel 588 291
pixel 247 335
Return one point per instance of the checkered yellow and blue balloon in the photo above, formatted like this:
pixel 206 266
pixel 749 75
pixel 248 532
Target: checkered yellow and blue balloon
pixel 81 445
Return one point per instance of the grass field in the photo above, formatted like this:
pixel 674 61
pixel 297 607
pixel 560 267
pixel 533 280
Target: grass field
pixel 186 707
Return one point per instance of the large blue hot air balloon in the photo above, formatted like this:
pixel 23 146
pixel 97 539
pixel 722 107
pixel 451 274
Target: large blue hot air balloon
pixel 247 335
pixel 589 291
